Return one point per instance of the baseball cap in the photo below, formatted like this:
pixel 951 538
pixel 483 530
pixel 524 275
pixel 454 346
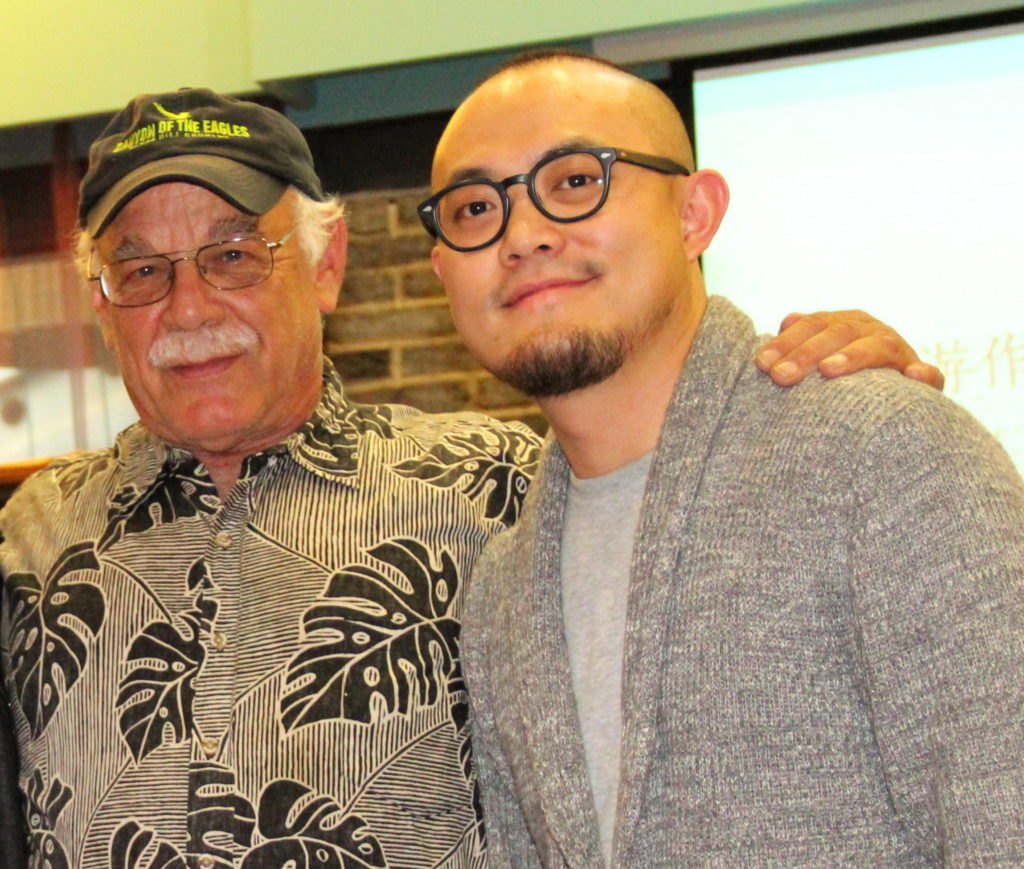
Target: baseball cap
pixel 244 152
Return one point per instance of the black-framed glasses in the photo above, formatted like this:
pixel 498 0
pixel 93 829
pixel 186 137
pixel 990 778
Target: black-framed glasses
pixel 567 185
pixel 231 264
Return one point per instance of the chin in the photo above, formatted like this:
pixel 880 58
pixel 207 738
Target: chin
pixel 553 365
pixel 202 429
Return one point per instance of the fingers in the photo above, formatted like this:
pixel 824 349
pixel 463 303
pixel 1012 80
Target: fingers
pixel 807 339
pixel 883 349
pixel 790 319
pixel 839 343
pixel 927 374
pixel 778 347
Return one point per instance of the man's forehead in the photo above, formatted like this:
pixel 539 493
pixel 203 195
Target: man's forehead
pixel 491 163
pixel 514 120
pixel 150 216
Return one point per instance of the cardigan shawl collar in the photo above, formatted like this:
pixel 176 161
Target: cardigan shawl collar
pixel 720 352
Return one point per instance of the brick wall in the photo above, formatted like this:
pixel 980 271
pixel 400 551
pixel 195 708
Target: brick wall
pixel 392 337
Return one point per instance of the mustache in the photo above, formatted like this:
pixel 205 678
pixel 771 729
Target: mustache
pixel 200 345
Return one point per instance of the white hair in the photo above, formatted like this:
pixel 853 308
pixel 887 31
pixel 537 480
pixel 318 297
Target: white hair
pixel 83 252
pixel 313 222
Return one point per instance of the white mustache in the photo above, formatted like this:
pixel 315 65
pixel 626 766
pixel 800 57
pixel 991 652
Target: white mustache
pixel 200 345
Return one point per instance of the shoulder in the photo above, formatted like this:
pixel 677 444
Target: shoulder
pixel 63 478
pixel 342 426
pixel 431 428
pixel 347 430
pixel 868 408
pixel 413 436
pixel 487 461
pixel 879 436
pixel 58 506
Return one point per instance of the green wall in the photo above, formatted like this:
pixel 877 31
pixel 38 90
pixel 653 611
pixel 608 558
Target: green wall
pixel 65 59
pixel 62 59
pixel 361 33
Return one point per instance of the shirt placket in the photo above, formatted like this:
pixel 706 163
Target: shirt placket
pixel 216 685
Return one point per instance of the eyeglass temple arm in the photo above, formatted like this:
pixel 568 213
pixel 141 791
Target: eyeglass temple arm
pixel 648 161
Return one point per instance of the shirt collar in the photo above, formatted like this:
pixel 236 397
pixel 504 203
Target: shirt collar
pixel 328 445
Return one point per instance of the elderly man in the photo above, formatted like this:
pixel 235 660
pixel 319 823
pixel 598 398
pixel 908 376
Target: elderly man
pixel 735 625
pixel 232 640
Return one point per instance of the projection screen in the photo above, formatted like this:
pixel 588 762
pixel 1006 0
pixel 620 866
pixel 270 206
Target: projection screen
pixel 889 178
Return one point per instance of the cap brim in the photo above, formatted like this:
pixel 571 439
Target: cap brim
pixel 248 189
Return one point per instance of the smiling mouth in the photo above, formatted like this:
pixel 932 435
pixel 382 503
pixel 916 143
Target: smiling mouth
pixel 528 291
pixel 206 368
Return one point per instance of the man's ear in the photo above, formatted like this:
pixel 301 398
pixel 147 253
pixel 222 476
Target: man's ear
pixel 704 205
pixel 330 271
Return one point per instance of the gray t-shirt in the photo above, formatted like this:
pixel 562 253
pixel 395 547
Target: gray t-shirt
pixel 597 549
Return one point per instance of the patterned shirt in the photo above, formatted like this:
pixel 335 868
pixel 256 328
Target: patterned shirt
pixel 269 680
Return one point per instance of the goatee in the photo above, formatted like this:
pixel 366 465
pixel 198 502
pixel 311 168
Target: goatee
pixel 559 364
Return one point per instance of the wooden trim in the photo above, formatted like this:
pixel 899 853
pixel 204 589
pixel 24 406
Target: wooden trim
pixel 14 473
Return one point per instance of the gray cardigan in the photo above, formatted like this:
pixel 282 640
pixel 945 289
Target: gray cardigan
pixel 823 661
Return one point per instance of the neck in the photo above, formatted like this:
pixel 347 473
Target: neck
pixel 608 425
pixel 223 449
pixel 223 458
pixel 223 470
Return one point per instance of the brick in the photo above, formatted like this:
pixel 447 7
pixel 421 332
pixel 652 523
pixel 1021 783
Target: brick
pixel 492 393
pixel 431 397
pixel 375 253
pixel 405 207
pixel 366 214
pixel 363 365
pixel 529 415
pixel 436 358
pixel 360 326
pixel 371 395
pixel 421 283
pixel 536 421
pixel 367 285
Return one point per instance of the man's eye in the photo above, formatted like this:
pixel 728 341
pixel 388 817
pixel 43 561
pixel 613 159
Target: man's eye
pixel 473 209
pixel 232 255
pixel 143 273
pixel 579 180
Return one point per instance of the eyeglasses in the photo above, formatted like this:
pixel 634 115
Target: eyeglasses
pixel 225 265
pixel 566 186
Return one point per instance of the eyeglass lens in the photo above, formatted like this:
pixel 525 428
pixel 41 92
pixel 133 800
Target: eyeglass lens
pixel 570 186
pixel 227 265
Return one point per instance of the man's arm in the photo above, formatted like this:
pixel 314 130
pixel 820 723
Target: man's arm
pixel 837 343
pixel 937 559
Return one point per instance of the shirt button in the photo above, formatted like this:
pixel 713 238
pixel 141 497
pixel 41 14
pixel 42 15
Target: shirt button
pixel 206 861
pixel 210 747
pixel 220 640
pixel 223 539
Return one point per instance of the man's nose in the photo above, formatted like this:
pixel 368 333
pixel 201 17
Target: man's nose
pixel 528 230
pixel 193 300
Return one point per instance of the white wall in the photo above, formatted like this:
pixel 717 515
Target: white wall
pixel 887 181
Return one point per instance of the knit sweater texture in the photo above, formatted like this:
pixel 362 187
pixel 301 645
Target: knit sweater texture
pixel 824 642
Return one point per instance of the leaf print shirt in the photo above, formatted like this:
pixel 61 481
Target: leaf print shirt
pixel 271 680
